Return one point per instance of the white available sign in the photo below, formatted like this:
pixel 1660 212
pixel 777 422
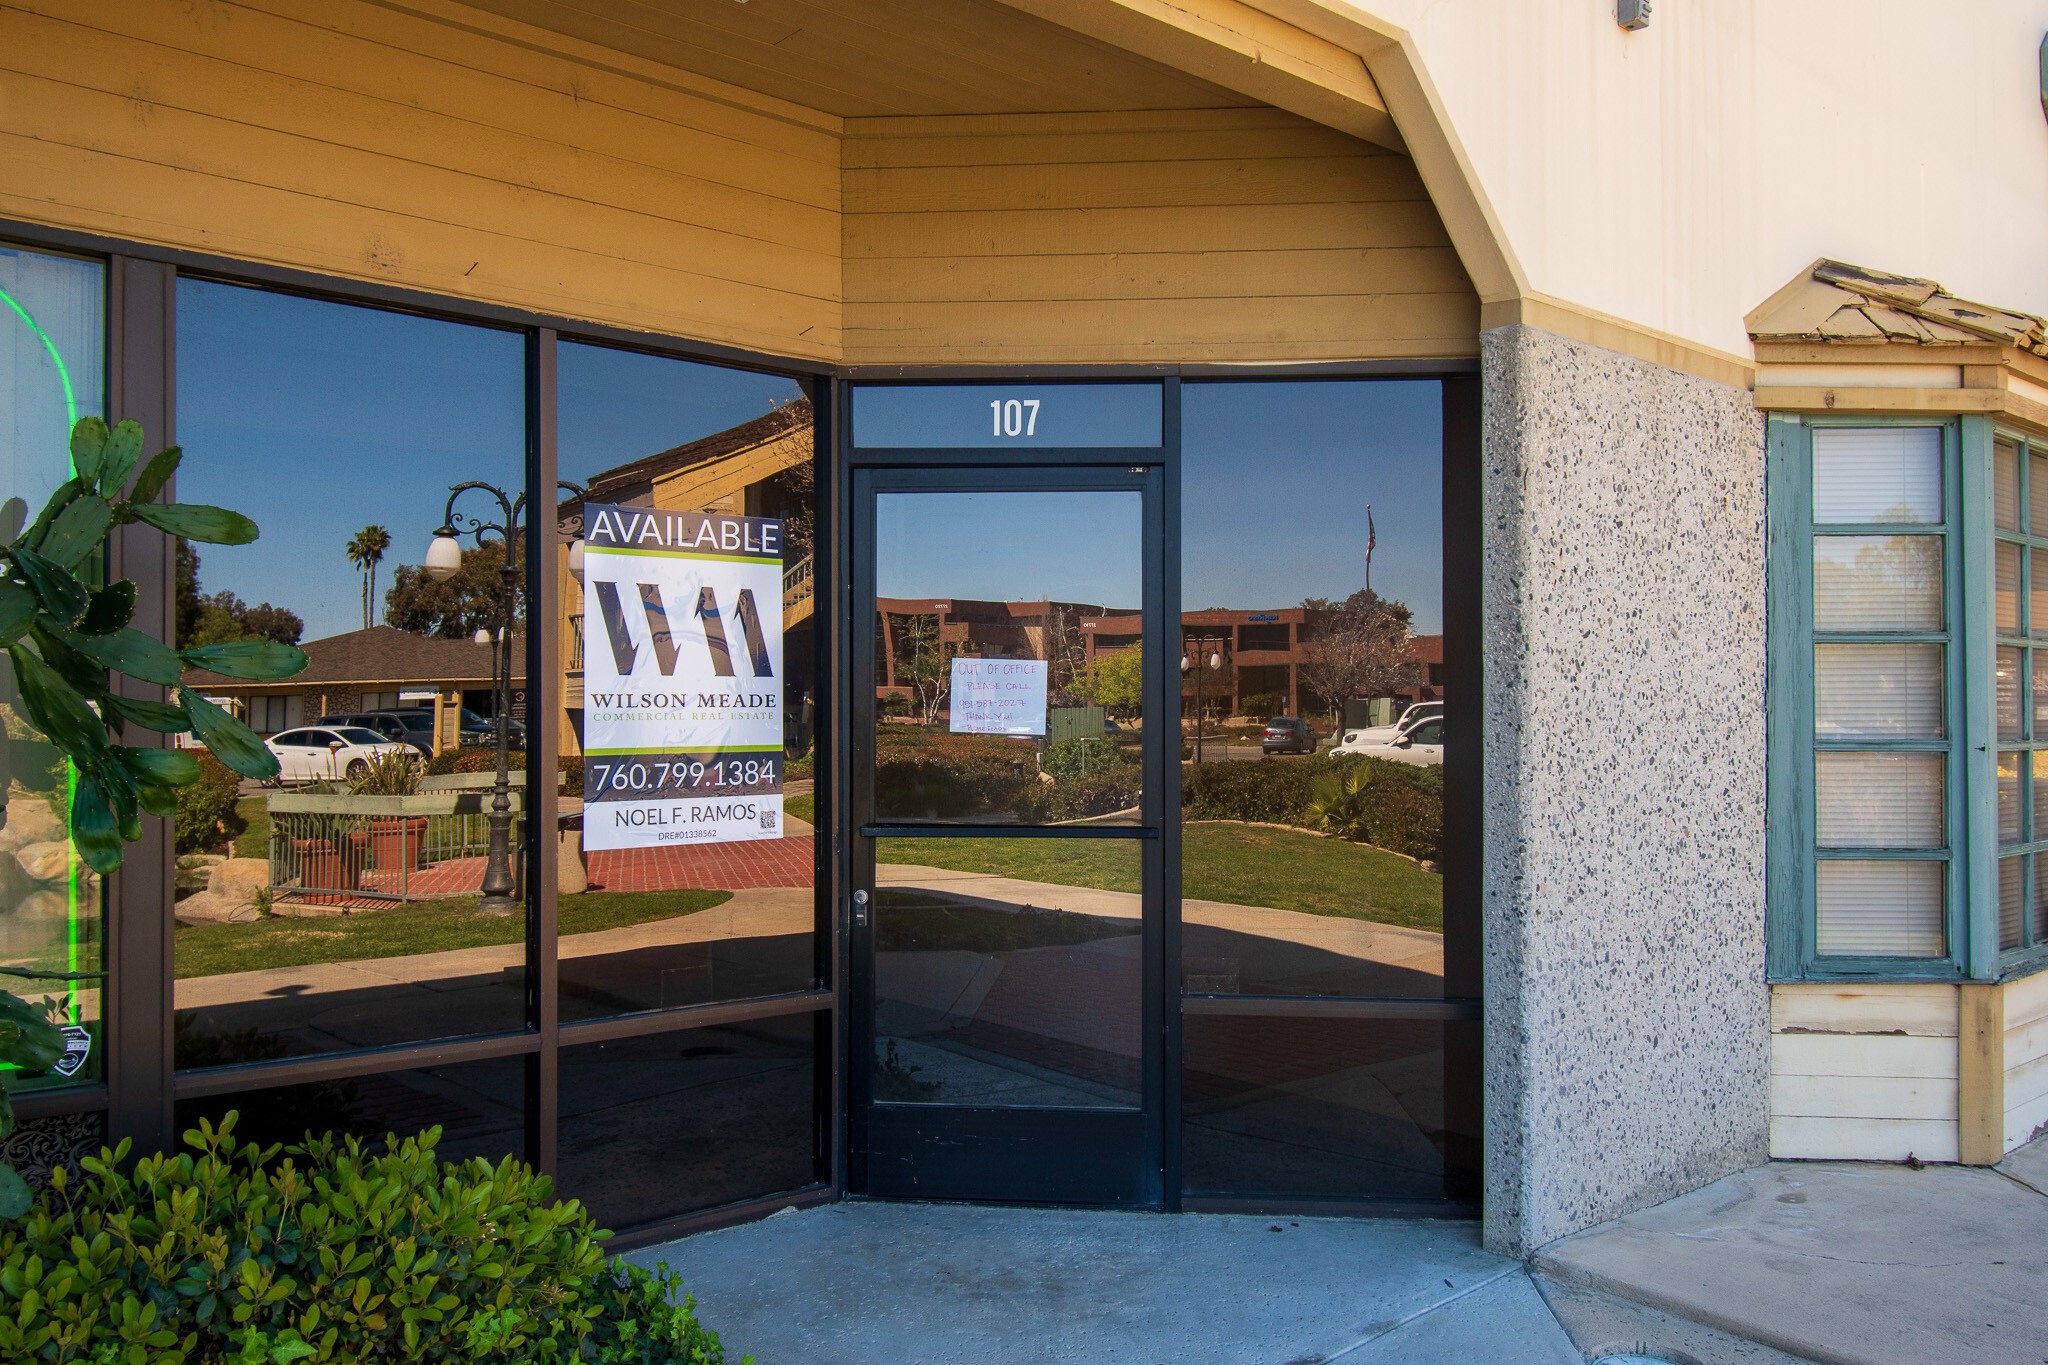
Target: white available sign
pixel 998 697
pixel 682 692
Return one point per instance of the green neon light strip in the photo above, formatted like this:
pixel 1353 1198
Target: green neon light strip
pixel 63 375
pixel 74 886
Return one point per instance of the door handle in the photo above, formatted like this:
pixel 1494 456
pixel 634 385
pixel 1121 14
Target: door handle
pixel 860 909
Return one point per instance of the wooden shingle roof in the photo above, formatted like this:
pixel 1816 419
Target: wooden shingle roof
pixel 383 654
pixel 1832 301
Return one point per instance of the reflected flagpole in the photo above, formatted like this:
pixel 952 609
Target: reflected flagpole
pixel 1371 539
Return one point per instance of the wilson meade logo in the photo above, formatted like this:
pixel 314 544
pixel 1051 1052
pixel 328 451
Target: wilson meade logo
pixel 626 654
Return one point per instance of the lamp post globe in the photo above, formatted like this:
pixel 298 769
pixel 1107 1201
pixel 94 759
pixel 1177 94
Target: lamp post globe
pixel 444 556
pixel 576 559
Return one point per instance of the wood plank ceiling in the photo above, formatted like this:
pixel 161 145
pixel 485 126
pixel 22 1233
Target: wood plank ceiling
pixel 866 58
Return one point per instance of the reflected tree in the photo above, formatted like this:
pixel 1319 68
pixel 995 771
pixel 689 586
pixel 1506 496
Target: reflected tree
pixel 1357 647
pixel 456 609
pixel 366 551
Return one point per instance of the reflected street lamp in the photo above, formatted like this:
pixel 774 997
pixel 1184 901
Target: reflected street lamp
pixel 1192 662
pixel 443 560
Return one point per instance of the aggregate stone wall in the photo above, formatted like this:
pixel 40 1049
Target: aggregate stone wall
pixel 1628 1023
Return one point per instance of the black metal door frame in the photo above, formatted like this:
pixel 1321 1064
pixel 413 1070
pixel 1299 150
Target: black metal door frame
pixel 1067 1156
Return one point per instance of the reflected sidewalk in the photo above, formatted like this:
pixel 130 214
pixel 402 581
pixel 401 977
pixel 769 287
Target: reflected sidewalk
pixel 751 913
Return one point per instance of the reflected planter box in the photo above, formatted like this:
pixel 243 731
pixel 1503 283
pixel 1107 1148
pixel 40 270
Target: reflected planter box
pixel 317 866
pixel 398 843
pixel 329 849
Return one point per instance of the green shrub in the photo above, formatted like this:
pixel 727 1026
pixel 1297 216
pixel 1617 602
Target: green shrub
pixel 1397 806
pixel 1408 820
pixel 943 781
pixel 1259 705
pixel 1071 759
pixel 800 769
pixel 206 815
pixel 336 1253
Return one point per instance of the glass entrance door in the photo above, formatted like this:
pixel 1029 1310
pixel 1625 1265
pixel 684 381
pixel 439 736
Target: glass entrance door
pixel 1006 932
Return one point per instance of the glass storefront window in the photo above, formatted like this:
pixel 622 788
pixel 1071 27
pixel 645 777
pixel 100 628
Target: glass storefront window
pixel 52 372
pixel 479 1107
pixel 1008 972
pixel 671 1123
pixel 1316 716
pixel 1326 1108
pixel 338 907
pixel 1313 693
pixel 658 927
pixel 982 598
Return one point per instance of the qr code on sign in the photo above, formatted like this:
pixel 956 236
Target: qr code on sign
pixel 768 819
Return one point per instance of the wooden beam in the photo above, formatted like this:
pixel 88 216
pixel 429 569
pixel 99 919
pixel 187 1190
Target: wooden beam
pixel 1980 1075
pixel 1240 48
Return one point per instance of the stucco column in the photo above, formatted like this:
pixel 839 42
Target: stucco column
pixel 1627 1019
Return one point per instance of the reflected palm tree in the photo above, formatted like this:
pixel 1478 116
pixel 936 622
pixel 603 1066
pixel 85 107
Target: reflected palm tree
pixel 365 552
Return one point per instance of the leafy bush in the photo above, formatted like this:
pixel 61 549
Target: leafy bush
pixel 1409 820
pixel 336 1253
pixel 798 769
pixel 947 781
pixel 393 772
pixel 1069 760
pixel 1397 806
pixel 206 816
pixel 1259 705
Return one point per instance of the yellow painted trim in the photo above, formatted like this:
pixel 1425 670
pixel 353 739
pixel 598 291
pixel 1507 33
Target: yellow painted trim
pixel 1618 334
pixel 1980 1074
pixel 1240 48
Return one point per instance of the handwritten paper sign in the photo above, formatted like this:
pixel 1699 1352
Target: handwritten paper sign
pixel 998 697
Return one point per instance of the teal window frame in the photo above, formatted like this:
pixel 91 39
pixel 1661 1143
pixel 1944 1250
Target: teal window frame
pixel 1793 851
pixel 2032 635
pixel 1970 722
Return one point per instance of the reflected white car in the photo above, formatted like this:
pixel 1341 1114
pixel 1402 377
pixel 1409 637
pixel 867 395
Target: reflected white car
pixel 340 753
pixel 1386 734
pixel 1422 745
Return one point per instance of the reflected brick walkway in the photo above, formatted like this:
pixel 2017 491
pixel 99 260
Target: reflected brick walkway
pixel 722 867
pixel 719 867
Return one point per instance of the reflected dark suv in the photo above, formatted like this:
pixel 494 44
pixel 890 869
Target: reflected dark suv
pixel 1288 735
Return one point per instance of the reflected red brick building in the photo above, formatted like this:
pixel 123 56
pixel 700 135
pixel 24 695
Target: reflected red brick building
pixel 1262 651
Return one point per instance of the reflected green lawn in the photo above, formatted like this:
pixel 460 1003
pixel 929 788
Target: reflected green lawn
pixel 408 931
pixel 1282 869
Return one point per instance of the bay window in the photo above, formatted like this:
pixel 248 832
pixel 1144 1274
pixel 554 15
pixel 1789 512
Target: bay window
pixel 1908 698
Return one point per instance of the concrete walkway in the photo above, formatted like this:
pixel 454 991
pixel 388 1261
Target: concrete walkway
pixel 1841 1263
pixel 1793 1263
pixel 922 1284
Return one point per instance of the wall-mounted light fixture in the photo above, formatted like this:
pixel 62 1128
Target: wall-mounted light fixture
pixel 1632 14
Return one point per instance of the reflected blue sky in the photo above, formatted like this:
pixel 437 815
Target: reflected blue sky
pixel 318 419
pixel 1275 481
pixel 614 407
pixel 1005 547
